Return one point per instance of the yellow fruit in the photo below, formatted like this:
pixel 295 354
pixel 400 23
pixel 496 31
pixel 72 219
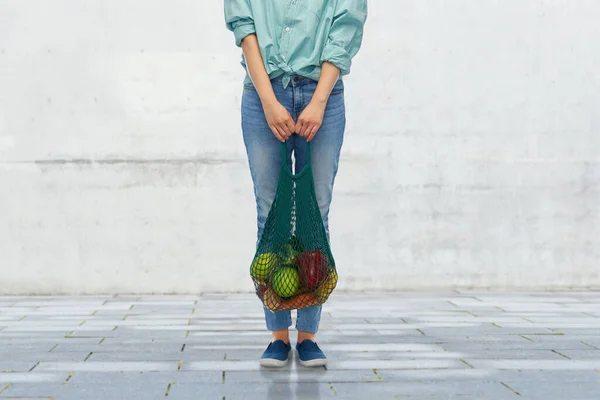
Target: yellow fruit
pixel 327 287
pixel 262 265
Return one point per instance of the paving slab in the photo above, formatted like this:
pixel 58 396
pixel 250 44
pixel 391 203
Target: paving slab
pixel 444 345
pixel 108 366
pixel 162 377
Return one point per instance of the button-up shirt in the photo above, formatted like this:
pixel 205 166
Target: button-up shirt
pixel 296 36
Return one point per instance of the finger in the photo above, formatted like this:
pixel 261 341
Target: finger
pixel 282 133
pixel 299 126
pixel 291 126
pixel 276 133
pixel 286 129
pixel 312 133
pixel 306 130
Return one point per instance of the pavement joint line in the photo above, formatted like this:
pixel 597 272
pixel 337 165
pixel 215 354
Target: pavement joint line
pixel 527 319
pixel 501 309
pixel 225 357
pixel 454 304
pixel 561 354
pixel 36 364
pixel 332 389
pixel 546 334
pixel 478 299
pixel 68 335
pixel 88 356
pixel 22 318
pixel 187 333
pixel 115 328
pixel 183 348
pixel 496 325
pixel 189 321
pixel 83 322
pixel 465 362
pixel 69 377
pixel 469 312
pixel 590 315
pixel 179 364
pixel 125 317
pixel 422 333
pixel 168 389
pixel 511 389
pixel 223 377
pixel 5 387
pixel 131 307
pixel 525 337
pixel 587 344
pixel 94 313
pixel 102 340
pixel 377 375
pixel 194 310
pixel 55 346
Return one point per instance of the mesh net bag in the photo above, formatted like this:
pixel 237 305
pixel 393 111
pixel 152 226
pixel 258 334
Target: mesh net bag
pixel 293 267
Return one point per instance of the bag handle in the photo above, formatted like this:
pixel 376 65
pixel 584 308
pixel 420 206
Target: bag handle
pixel 284 153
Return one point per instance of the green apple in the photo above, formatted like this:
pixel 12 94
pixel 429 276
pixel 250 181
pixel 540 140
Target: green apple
pixel 285 281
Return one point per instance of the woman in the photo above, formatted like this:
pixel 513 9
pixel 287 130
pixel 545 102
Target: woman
pixel 295 53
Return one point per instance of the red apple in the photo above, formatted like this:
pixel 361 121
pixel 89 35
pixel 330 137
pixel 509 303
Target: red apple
pixel 312 268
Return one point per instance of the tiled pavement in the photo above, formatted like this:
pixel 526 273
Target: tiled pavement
pixel 453 345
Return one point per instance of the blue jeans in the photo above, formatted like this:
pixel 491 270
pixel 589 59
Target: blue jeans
pixel 264 156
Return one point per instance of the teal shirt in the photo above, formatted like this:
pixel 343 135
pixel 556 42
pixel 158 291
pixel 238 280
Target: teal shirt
pixel 297 36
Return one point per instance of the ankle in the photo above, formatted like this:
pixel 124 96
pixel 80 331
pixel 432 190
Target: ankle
pixel 302 336
pixel 283 334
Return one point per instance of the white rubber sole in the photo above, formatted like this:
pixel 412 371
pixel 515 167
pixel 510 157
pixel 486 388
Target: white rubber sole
pixel 273 363
pixel 317 362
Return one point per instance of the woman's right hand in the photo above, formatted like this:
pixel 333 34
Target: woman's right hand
pixel 279 120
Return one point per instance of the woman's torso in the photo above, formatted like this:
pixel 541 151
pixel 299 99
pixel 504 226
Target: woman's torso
pixel 292 34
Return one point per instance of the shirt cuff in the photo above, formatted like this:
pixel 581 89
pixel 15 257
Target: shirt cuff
pixel 338 56
pixel 241 31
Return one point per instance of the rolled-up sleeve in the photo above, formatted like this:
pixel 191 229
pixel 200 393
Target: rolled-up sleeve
pixel 238 19
pixel 345 37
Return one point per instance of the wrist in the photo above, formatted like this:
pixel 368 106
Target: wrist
pixel 268 100
pixel 319 100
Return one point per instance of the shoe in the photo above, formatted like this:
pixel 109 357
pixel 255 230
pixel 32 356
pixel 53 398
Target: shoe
pixel 276 355
pixel 310 355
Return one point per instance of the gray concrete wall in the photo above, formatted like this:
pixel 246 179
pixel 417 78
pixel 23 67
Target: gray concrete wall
pixel 472 155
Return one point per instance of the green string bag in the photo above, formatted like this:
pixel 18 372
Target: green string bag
pixel 293 267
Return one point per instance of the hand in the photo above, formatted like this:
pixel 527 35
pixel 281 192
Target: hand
pixel 279 120
pixel 310 120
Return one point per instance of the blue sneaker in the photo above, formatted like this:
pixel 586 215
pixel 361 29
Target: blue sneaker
pixel 276 355
pixel 310 355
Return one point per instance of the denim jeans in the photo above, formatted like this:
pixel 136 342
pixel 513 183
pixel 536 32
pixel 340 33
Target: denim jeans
pixel 264 157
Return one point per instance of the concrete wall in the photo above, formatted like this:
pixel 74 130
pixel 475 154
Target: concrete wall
pixel 472 155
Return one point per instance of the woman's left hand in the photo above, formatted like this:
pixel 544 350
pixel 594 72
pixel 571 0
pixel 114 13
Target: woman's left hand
pixel 310 120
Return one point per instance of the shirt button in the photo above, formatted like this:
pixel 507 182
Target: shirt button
pixel 287 29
